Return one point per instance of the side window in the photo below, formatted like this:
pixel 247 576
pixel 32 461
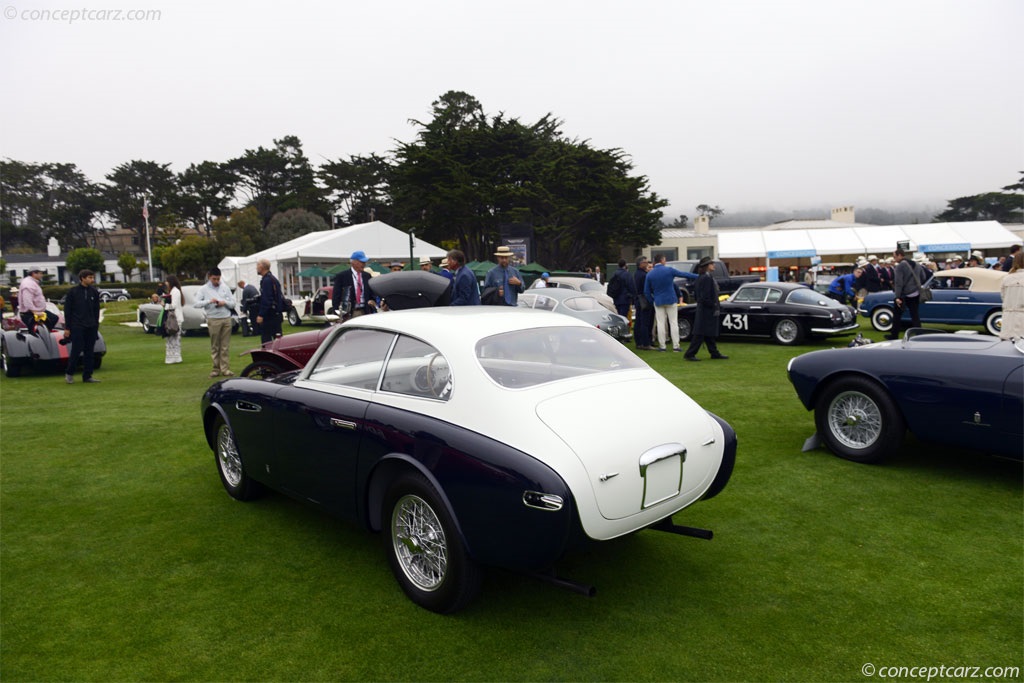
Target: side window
pixel 774 295
pixel 750 294
pixel 355 359
pixel 417 369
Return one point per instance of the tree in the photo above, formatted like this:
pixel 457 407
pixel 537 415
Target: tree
pixel 239 234
pixel 712 212
pixel 82 258
pixel 129 183
pixel 466 175
pixel 358 188
pixel 291 224
pixel 192 256
pixel 278 179
pixel 127 263
pixel 680 223
pixel 41 201
pixel 205 192
pixel 1006 206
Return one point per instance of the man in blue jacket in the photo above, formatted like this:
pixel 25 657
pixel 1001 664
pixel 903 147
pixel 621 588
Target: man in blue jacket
pixel 844 288
pixel 465 290
pixel 660 288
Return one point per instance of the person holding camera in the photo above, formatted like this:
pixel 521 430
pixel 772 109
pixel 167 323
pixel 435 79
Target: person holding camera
pixel 271 309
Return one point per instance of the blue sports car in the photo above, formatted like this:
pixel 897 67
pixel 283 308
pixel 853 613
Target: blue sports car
pixel 960 296
pixel 959 389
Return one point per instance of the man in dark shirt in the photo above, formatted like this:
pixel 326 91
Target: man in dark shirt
pixel 271 310
pixel 82 325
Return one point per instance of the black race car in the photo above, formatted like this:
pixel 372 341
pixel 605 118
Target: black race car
pixel 785 311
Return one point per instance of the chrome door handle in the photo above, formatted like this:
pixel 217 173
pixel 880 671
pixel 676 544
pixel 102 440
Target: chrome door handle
pixel 247 407
pixel 342 424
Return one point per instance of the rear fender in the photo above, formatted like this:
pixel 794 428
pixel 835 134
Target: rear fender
pixel 274 357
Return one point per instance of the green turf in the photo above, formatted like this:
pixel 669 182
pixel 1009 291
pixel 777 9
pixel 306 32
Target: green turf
pixel 122 558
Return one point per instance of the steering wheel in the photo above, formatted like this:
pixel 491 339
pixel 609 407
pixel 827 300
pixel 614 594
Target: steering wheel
pixel 438 375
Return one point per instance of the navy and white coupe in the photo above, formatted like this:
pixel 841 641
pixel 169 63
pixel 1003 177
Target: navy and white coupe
pixel 471 437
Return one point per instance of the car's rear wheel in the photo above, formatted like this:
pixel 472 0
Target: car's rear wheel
pixel 230 466
pixel 122 297
pixel 858 420
pixel 994 322
pixel 881 318
pixel 262 369
pixel 788 332
pixel 97 360
pixel 293 318
pixel 10 369
pixel 685 329
pixel 424 549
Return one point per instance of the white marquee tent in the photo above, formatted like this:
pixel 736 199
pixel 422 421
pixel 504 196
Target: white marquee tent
pixel 864 240
pixel 328 248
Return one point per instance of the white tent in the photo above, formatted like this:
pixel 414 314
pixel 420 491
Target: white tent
pixel 328 248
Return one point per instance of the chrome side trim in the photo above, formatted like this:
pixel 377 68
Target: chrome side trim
pixel 662 452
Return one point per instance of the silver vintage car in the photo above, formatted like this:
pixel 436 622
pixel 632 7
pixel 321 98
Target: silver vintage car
pixel 195 320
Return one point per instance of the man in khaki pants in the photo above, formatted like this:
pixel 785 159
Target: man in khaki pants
pixel 217 302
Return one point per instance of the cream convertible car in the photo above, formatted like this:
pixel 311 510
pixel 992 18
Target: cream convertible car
pixel 467 437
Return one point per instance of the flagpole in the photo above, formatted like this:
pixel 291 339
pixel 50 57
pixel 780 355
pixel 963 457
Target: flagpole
pixel 149 252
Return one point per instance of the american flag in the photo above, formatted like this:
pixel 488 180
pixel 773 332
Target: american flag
pixel 145 208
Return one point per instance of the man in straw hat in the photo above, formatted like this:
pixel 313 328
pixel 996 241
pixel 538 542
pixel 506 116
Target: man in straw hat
pixel 505 277
pixel 425 264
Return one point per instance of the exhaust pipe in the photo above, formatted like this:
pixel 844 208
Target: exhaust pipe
pixel 667 525
pixel 568 584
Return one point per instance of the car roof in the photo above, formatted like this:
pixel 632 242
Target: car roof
pixel 982 279
pixel 784 286
pixel 557 293
pixel 571 280
pixel 462 322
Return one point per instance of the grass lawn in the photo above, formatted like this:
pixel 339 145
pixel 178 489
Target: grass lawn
pixel 122 558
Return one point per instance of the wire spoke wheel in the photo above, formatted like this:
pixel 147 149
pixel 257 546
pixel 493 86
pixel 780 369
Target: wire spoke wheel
pixel 420 544
pixel 228 460
pixel 854 419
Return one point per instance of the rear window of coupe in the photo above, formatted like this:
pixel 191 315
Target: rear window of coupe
pixel 526 358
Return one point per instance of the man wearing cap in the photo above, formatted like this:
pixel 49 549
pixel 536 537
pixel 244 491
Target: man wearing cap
pixel 352 288
pixel 872 277
pixel 958 261
pixel 505 277
pixel 32 303
pixel 705 323
pixel 425 264
pixel 465 290
pixel 543 281
pixel 976 260
pixel 396 266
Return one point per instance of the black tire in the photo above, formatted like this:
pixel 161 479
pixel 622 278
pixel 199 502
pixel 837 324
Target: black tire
pixel 994 322
pixel 858 420
pixel 788 332
pixel 293 318
pixel 424 549
pixel 10 369
pixel 146 327
pixel 97 361
pixel 122 297
pixel 230 465
pixel 262 369
pixel 685 329
pixel 881 318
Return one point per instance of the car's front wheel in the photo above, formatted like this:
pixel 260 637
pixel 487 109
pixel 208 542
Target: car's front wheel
pixel 230 466
pixel 788 332
pixel 685 329
pixel 293 318
pixel 424 549
pixel 994 322
pixel 858 420
pixel 881 318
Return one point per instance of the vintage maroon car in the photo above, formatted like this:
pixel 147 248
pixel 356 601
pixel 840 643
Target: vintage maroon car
pixel 290 352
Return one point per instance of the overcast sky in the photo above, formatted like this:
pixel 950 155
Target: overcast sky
pixel 779 104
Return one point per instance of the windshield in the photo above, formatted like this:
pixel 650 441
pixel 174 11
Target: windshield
pixel 526 358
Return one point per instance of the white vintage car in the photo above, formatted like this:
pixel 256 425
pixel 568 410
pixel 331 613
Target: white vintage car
pixel 472 436
pixel 195 320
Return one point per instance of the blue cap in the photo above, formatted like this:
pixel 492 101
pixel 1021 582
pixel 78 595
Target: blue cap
pixel 358 256
pixel 545 275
